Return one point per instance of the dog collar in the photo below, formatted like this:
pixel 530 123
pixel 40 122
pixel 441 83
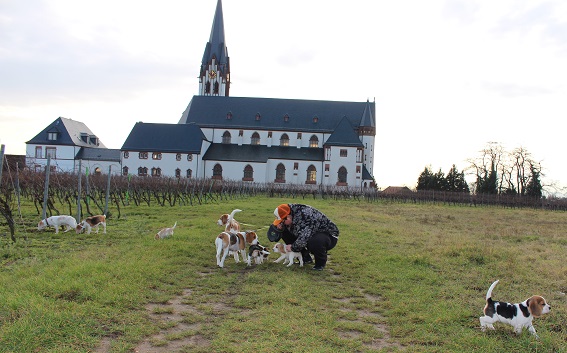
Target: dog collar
pixel 46 222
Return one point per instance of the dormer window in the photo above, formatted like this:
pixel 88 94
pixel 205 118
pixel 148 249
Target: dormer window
pixel 52 136
pixel 258 116
pixel 286 118
pixel 84 137
pixel 93 140
pixel 315 119
pixel 229 116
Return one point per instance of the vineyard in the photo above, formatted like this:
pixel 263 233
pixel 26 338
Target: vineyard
pixel 66 193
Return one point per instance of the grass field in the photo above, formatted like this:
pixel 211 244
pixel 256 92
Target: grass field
pixel 403 277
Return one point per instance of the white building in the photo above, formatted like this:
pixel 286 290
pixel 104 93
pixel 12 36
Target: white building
pixel 291 141
pixel 66 142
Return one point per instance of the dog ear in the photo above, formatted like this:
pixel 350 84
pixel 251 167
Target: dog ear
pixel 535 305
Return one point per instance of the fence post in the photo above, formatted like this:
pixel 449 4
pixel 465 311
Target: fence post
pixel 18 189
pixel 46 187
pixel 107 191
pixel 1 162
pixel 78 218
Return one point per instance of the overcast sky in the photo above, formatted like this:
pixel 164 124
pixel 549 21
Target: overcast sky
pixel 447 76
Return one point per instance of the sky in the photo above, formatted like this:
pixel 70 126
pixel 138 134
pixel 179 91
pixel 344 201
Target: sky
pixel 448 76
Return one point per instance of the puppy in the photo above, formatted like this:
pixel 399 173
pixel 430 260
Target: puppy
pixel 226 242
pixel 165 232
pixel 228 221
pixel 287 256
pixel 92 222
pixel 258 253
pixel 518 315
pixel 58 221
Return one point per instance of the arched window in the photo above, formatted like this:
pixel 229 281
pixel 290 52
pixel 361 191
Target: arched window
pixel 342 175
pixel 217 171
pixel 156 172
pixel 189 173
pixel 178 173
pixel 226 137
pixel 284 140
pixel 248 173
pixel 208 87
pixel 280 173
pixel 124 170
pixel 98 171
pixel 311 175
pixel 255 139
pixel 142 171
pixel 216 88
pixel 313 141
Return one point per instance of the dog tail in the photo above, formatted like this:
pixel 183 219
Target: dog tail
pixel 175 225
pixel 489 293
pixel 231 216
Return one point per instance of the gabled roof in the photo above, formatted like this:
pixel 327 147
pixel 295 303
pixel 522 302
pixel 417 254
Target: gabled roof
pixel 70 133
pixel 99 154
pixel 344 135
pixel 260 153
pixel 303 115
pixel 167 138
pixel 216 46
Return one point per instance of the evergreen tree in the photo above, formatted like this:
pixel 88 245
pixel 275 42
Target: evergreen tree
pixel 425 179
pixel 456 181
pixel 533 187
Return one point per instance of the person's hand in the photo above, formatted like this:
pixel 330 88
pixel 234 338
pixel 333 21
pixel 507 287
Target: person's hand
pixel 280 226
pixel 288 248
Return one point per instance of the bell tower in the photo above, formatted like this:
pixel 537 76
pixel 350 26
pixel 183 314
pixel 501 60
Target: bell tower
pixel 214 78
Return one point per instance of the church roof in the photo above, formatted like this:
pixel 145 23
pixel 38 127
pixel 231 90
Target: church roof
pixel 69 133
pixel 260 153
pixel 273 113
pixel 167 138
pixel 216 46
pixel 344 135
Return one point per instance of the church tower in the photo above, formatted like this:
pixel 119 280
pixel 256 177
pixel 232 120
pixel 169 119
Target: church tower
pixel 367 134
pixel 214 78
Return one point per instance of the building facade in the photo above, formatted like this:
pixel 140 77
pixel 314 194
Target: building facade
pixel 291 141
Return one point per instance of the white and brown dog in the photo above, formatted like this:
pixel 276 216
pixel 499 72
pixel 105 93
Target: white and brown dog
pixel 58 221
pixel 518 315
pixel 92 222
pixel 287 256
pixel 165 232
pixel 258 253
pixel 234 242
pixel 228 221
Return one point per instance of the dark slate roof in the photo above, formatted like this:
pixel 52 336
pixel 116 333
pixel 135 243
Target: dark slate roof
pixel 99 154
pixel 344 135
pixel 211 112
pixel 368 116
pixel 216 46
pixel 70 133
pixel 260 153
pixel 366 174
pixel 167 138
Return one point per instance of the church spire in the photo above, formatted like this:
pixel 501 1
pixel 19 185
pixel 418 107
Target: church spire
pixel 214 78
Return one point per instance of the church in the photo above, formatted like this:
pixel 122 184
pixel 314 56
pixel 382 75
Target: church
pixel 252 139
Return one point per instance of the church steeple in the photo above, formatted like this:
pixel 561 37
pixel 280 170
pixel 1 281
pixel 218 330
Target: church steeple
pixel 214 78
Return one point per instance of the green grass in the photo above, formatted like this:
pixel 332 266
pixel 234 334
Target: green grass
pixel 403 277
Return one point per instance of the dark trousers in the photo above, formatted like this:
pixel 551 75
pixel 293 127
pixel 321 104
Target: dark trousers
pixel 318 245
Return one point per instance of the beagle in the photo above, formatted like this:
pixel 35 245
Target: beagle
pixel 58 221
pixel 226 242
pixel 519 315
pixel 228 221
pixel 165 232
pixel 258 253
pixel 92 222
pixel 287 256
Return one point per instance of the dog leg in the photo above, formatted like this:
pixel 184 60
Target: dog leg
pixel 300 261
pixel 531 328
pixel 104 227
pixel 236 259
pixel 56 229
pixel 280 259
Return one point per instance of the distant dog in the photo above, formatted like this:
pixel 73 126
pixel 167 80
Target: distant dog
pixel 165 232
pixel 58 221
pixel 518 315
pixel 287 256
pixel 228 221
pixel 226 242
pixel 92 222
pixel 258 253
